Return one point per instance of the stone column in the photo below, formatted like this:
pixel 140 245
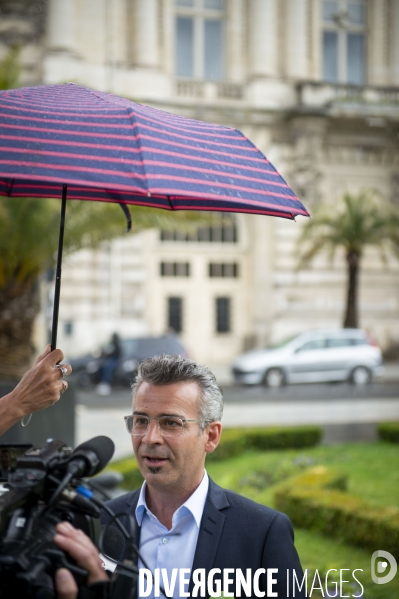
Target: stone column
pixel 146 33
pixel 378 43
pixel 235 55
pixel 60 25
pixel 315 45
pixel 394 45
pixel 263 40
pixel 307 135
pixel 296 39
pixel 263 258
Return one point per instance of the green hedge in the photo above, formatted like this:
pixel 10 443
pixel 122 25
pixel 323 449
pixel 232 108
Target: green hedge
pixel 237 440
pixel 315 500
pixel 132 478
pixel 389 431
pixel 233 442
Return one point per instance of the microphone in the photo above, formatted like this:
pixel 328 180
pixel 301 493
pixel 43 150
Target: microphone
pixel 90 457
pixel 87 459
pixel 113 545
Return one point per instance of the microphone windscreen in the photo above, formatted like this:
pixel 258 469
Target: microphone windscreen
pixel 113 543
pixel 103 447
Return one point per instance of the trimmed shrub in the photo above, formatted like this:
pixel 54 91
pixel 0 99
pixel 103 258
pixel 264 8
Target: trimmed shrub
pixel 233 442
pixel 389 431
pixel 313 500
pixel 236 440
pixel 132 478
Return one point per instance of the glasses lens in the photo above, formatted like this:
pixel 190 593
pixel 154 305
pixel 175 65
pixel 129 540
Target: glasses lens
pixel 170 427
pixel 129 424
pixel 139 425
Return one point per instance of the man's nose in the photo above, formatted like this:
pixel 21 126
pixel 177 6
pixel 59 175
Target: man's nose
pixel 153 434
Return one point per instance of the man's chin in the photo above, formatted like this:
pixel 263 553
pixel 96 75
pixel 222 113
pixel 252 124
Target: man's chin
pixel 154 470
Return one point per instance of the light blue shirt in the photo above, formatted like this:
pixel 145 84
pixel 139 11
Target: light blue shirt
pixel 174 548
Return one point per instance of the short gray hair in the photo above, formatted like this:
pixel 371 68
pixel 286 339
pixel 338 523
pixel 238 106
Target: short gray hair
pixel 166 370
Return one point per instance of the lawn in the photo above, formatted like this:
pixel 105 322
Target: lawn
pixel 373 475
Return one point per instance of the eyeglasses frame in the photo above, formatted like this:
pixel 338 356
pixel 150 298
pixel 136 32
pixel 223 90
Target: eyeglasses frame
pixel 184 420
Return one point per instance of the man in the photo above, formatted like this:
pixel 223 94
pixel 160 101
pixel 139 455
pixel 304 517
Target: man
pixel 184 519
pixel 112 353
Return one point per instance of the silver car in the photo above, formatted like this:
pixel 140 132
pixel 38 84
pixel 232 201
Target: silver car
pixel 313 357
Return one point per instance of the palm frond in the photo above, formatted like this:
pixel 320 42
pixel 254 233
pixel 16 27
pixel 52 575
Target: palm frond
pixel 29 229
pixel 359 220
pixel 10 69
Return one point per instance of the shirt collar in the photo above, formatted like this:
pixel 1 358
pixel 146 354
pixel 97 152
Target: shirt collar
pixel 194 504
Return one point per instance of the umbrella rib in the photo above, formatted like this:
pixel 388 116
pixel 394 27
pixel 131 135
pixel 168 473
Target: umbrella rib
pixel 9 191
pixel 170 202
pixel 126 212
pixel 109 101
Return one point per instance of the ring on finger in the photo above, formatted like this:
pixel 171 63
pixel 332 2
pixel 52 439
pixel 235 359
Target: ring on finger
pixel 63 369
pixel 64 386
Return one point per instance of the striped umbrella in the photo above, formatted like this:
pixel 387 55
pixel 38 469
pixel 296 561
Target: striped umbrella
pixel 70 141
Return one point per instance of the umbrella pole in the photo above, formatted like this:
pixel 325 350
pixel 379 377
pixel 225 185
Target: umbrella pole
pixel 57 290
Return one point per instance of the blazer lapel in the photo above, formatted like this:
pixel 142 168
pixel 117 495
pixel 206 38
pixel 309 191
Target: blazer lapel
pixel 211 528
pixel 132 503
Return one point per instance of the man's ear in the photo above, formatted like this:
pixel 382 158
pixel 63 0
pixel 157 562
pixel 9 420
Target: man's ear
pixel 213 432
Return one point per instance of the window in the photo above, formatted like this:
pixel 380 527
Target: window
pixel 223 315
pixel 340 342
pixel 223 269
pixel 199 39
pixel 346 341
pixel 175 269
pixel 314 344
pixel 224 230
pixel 344 23
pixel 175 314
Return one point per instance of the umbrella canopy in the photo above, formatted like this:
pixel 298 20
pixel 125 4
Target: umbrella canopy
pixel 108 148
pixel 70 141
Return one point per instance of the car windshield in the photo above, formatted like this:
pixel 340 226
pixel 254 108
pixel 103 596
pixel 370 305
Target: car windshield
pixel 129 346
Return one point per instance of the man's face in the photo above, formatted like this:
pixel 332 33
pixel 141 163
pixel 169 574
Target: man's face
pixel 172 464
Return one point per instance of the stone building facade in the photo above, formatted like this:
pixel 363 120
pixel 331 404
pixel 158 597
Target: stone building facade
pixel 314 84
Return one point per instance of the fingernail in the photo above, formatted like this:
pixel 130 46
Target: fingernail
pixel 65 527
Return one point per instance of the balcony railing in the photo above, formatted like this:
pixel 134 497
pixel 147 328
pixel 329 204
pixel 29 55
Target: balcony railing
pixel 209 90
pixel 319 95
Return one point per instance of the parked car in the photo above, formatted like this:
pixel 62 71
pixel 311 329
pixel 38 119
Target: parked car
pixel 313 357
pixel 87 368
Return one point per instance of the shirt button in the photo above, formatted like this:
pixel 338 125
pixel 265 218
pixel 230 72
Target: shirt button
pixel 165 540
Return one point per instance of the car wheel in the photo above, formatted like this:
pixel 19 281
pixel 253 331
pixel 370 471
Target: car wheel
pixel 361 375
pixel 274 378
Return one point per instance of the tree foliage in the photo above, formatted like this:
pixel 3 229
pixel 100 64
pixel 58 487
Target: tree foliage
pixel 29 230
pixel 10 68
pixel 358 221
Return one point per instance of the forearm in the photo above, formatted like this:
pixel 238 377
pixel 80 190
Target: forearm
pixel 10 411
pixel 39 388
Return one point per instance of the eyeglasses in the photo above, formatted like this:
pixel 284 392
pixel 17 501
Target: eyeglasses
pixel 168 426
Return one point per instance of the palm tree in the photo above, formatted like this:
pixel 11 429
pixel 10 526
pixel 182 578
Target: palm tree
pixel 28 242
pixel 361 220
pixel 10 68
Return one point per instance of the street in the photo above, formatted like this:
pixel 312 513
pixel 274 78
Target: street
pixel 346 413
pixel 120 397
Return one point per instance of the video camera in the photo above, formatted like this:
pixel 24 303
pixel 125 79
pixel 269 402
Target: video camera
pixel 46 485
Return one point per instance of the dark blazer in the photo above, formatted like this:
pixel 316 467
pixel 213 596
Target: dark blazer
pixel 237 533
